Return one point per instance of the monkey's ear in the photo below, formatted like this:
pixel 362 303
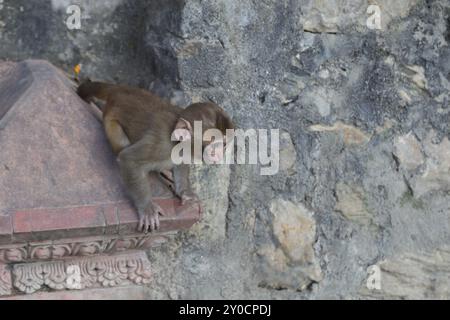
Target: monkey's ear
pixel 183 131
pixel 183 124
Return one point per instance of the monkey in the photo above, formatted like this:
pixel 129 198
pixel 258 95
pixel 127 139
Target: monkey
pixel 142 130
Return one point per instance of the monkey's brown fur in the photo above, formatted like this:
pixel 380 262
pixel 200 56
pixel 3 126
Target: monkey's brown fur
pixel 139 126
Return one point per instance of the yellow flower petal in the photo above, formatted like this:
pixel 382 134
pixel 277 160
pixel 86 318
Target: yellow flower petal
pixel 77 69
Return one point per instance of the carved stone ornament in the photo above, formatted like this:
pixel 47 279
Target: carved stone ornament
pixel 81 273
pixel 50 250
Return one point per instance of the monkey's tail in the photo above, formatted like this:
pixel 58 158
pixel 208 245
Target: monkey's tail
pixel 89 89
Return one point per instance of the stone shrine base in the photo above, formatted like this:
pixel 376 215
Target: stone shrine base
pixel 65 221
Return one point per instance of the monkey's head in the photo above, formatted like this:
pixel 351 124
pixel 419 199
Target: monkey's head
pixel 213 134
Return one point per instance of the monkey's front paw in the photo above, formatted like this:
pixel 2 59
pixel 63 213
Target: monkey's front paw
pixel 149 219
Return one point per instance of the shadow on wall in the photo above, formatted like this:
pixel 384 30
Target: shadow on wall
pixel 122 41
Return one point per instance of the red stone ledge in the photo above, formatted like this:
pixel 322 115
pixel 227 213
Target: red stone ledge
pixel 81 221
pixel 6 229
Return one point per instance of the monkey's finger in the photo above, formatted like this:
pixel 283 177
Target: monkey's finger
pixel 152 224
pixel 148 224
pixel 160 211
pixel 157 223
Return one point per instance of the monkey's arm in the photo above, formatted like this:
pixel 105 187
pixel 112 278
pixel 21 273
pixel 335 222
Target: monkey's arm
pixel 118 140
pixel 134 168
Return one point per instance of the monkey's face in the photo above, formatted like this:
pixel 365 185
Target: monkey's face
pixel 215 144
pixel 213 141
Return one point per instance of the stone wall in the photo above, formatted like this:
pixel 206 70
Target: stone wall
pixel 361 206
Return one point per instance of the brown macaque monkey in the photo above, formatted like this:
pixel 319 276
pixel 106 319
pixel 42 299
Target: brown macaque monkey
pixel 140 127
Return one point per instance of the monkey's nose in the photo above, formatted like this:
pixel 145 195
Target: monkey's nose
pixel 214 153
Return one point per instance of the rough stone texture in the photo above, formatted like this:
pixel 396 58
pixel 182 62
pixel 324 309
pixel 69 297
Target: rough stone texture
pixel 349 134
pixel 421 275
pixel 292 262
pixel 288 154
pixel 214 199
pixel 408 151
pixel 345 94
pixel 333 16
pixel 350 203
pixel 436 174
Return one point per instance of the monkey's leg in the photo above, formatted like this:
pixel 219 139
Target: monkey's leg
pixel 167 174
pixel 134 169
pixel 182 184
pixel 116 136
pixel 119 141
